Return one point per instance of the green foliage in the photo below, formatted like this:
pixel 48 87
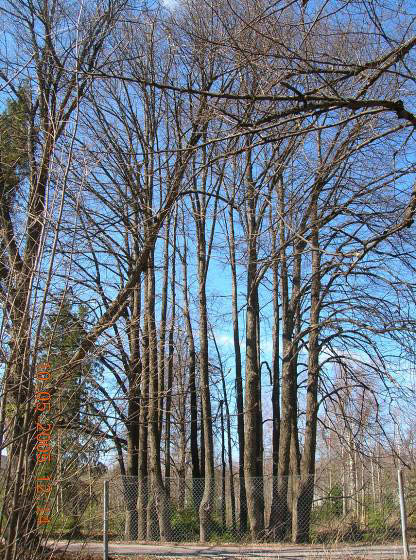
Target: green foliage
pixel 376 519
pixel 62 524
pixel 68 526
pixel 331 507
pixel 116 524
pixel 13 146
pixel 73 449
pixel 61 337
pixel 10 410
pixel 185 524
pixel 220 535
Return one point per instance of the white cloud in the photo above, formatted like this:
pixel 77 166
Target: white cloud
pixel 170 4
pixel 224 340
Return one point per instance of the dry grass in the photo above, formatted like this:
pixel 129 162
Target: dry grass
pixel 98 556
pixel 80 556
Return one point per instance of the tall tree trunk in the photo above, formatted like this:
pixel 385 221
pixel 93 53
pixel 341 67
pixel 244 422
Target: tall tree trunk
pixel 133 417
pixel 162 336
pixel 202 447
pixel 199 203
pixel 196 470
pixel 274 512
pixel 207 502
pixel 143 490
pixel 288 391
pixel 373 484
pixel 230 457
pixel 182 441
pixel 363 496
pixel 171 349
pixel 238 378
pixel 344 484
pixel 307 484
pixel 158 492
pixel 294 439
pixel 223 470
pixel 253 458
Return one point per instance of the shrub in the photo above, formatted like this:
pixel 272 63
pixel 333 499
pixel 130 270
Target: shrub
pixel 185 524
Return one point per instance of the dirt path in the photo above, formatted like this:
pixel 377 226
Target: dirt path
pixel 231 551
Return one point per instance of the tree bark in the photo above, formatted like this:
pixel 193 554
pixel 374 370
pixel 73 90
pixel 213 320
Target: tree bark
pixel 223 469
pixel 196 470
pixel 307 482
pixel 182 440
pixel 230 457
pixel 171 349
pixel 158 491
pixel 162 335
pixel 238 377
pixel 274 512
pixel 207 502
pixel 289 385
pixel 133 417
pixel 143 490
pixel 253 458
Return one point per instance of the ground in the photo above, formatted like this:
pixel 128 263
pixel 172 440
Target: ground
pixel 137 551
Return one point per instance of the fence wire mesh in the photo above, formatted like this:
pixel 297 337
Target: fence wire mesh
pixel 322 509
pixel 268 509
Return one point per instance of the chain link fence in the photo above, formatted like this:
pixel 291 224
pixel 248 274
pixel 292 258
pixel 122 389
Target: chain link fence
pixel 284 509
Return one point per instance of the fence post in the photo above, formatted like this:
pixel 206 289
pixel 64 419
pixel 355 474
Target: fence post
pixel 105 520
pixel 403 515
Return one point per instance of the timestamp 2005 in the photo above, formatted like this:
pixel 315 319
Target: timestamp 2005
pixel 43 486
